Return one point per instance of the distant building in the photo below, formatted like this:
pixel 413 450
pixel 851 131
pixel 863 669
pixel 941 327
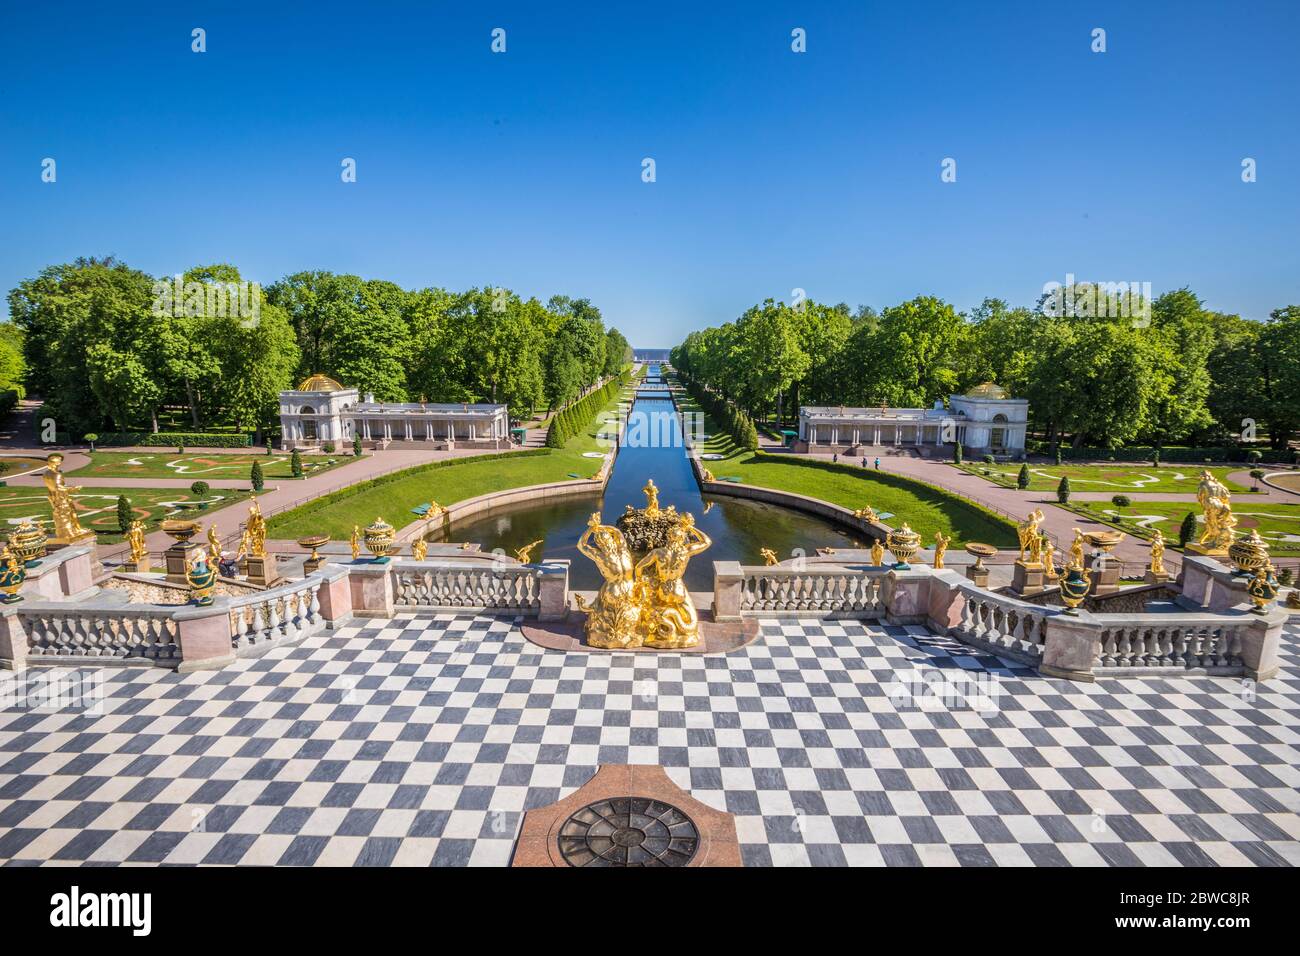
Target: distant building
pixel 986 420
pixel 321 410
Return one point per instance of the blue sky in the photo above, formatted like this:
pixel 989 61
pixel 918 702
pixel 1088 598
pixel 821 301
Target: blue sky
pixel 775 170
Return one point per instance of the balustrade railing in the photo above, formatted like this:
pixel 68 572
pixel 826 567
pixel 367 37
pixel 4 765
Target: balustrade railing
pixel 117 633
pixel 281 615
pixel 449 585
pixel 1001 624
pixel 1171 641
pixel 814 589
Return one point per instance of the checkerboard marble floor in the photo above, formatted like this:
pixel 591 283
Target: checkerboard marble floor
pixel 422 740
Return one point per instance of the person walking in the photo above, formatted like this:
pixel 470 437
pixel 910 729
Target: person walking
pixel 864 461
pixel 835 458
pixel 877 464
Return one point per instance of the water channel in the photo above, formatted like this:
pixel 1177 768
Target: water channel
pixel 739 528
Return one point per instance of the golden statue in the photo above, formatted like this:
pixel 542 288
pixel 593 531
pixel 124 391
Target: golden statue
pixel 615 619
pixel 1049 557
pixel 668 614
pixel 768 555
pixel 1216 509
pixel 524 555
pixel 1031 544
pixel 1076 552
pixel 419 548
pixel 643 602
pixel 1157 565
pixel 66 526
pixel 252 543
pixel 940 546
pixel 139 550
pixel 356 541
pixel 866 514
pixel 651 498
pixel 214 546
pixel 708 475
pixel 877 553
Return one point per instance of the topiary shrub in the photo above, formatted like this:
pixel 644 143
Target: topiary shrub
pixel 956 453
pixel 255 477
pixel 91 438
pixel 1121 501
pixel 295 463
pixel 1022 479
pixel 200 490
pixel 125 514
pixel 356 446
pixel 1187 530
pixel 1063 490
pixel 328 448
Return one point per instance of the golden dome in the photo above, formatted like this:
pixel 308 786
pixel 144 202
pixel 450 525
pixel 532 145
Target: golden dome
pixel 319 383
pixel 988 390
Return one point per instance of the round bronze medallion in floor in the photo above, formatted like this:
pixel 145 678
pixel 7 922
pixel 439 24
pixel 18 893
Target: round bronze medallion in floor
pixel 628 831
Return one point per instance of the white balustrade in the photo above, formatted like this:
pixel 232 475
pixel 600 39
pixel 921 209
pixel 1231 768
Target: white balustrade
pixel 282 615
pixel 1000 623
pixel 116 632
pixel 1188 641
pixel 449 585
pixel 816 589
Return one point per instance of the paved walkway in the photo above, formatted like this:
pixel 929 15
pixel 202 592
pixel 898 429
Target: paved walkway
pixel 422 740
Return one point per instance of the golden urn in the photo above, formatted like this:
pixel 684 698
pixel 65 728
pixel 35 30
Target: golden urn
pixel 1104 541
pixel 12 576
pixel 1262 588
pixel 314 541
pixel 903 543
pixel 28 543
pixel 379 539
pixel 1249 553
pixel 181 529
pixel 1074 584
pixel 980 551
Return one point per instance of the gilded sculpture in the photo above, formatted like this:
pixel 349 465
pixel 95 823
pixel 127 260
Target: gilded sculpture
pixel 1216 510
pixel 252 543
pixel 524 555
pixel 642 561
pixel 877 553
pixel 1157 565
pixel 139 550
pixel 1031 542
pixel 67 528
pixel 355 541
pixel 867 513
pixel 940 547
pixel 768 555
pixel 214 546
pixel 419 549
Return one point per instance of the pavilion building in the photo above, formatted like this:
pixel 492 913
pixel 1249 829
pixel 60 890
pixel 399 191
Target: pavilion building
pixel 986 420
pixel 321 410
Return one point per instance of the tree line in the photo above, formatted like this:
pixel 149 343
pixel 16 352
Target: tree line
pixel 1110 371
pixel 106 345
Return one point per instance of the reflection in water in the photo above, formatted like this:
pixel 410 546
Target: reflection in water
pixel 739 528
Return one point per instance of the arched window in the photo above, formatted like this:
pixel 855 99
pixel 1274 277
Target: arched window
pixel 998 437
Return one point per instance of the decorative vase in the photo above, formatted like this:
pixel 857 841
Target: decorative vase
pixel 180 529
pixel 1248 553
pixel 202 579
pixel 903 543
pixel 379 539
pixel 1074 584
pixel 28 543
pixel 1262 588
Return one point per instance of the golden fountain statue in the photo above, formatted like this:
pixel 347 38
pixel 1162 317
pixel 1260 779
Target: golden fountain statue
pixel 355 541
pixel 1157 565
pixel 214 546
pixel 524 555
pixel 877 553
pixel 252 543
pixel 867 513
pixel 940 547
pixel 419 549
pixel 67 529
pixel 1216 508
pixel 643 600
pixel 139 550
pixel 1031 543
pixel 768 555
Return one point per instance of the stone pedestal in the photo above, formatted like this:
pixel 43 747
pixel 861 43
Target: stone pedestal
pixel 1105 579
pixel 1027 578
pixel 138 567
pixel 261 570
pixel 178 558
pixel 310 566
pixel 979 575
pixel 1155 577
pixel 1200 549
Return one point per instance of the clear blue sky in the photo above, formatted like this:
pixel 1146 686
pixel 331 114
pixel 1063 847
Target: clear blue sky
pixel 775 170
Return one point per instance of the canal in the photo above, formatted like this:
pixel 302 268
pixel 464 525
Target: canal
pixel 655 448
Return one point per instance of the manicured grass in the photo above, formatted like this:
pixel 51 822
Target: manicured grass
pixel 925 509
pixel 201 466
pixel 1116 479
pixel 16 465
pixel 393 497
pixel 1278 524
pixel 97 507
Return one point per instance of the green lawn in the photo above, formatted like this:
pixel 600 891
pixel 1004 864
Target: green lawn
pixel 200 466
pixel 925 509
pixel 11 465
pixel 1116 479
pixel 97 507
pixel 394 498
pixel 1278 524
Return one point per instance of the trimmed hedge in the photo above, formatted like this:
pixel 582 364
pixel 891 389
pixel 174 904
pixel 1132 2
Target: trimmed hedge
pixel 736 423
pixel 186 439
pixel 333 497
pixel 572 419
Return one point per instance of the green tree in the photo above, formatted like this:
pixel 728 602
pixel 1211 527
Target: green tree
pixel 295 463
pixel 255 477
pixel 125 514
pixel 1187 530
pixel 1022 479
pixel 1063 490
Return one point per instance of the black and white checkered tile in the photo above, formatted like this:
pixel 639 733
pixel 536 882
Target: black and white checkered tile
pixel 422 741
